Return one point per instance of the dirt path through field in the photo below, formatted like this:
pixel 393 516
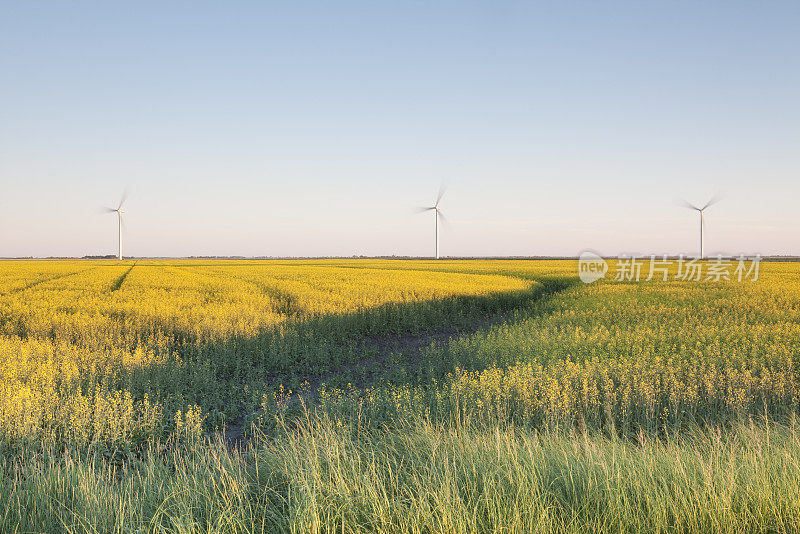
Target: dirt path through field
pixel 374 356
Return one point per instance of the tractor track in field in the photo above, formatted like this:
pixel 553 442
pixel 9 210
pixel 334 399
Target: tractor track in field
pixel 411 345
pixel 380 349
pixel 121 280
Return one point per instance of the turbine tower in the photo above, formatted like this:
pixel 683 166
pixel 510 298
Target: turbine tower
pixel 119 211
pixel 437 214
pixel 702 210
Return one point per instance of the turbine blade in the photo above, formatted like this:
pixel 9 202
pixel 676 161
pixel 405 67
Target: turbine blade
pixel 442 190
pixel 687 204
pixel 442 217
pixel 716 198
pixel 420 210
pixel 122 200
pixel 106 209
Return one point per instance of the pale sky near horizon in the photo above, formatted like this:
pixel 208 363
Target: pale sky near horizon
pixel 316 128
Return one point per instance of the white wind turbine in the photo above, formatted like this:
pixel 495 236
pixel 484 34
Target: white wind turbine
pixel 436 216
pixel 702 210
pixel 119 211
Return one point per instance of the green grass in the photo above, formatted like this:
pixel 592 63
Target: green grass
pixel 319 476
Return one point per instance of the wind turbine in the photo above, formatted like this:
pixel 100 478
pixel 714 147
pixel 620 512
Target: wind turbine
pixel 119 211
pixel 702 210
pixel 437 215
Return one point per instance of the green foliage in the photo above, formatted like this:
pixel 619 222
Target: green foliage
pixel 320 475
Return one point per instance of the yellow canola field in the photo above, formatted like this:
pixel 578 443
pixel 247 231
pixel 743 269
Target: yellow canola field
pixel 80 302
pixel 75 334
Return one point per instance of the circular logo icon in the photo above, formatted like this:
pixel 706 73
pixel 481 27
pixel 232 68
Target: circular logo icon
pixel 591 267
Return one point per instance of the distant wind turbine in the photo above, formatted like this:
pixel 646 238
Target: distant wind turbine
pixel 437 215
pixel 119 211
pixel 702 210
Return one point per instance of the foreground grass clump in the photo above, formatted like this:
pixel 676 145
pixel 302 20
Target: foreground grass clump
pixel 324 476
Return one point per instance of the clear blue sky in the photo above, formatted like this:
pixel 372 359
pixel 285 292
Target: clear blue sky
pixel 317 128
